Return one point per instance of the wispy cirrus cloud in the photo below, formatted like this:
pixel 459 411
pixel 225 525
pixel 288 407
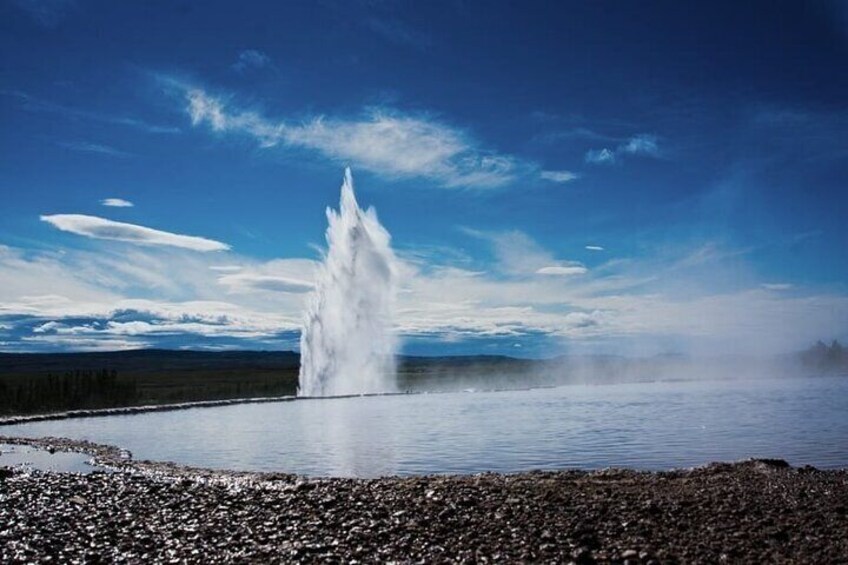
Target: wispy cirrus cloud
pixel 600 156
pixel 559 176
pixel 383 141
pixel 251 59
pixel 101 228
pixel 519 255
pixel 643 144
pixel 116 203
pixel 572 135
pixel 292 276
pixel 812 135
pixel 97 148
pixel 248 282
pixel 33 104
pixel 399 33
pixel 594 248
pixel 46 13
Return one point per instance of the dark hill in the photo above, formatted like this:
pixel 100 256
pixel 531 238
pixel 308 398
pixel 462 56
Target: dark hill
pixel 47 382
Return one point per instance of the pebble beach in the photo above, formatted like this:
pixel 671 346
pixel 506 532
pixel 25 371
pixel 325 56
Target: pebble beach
pixel 150 512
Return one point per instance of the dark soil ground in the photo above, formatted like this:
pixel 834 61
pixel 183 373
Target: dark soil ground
pixel 749 512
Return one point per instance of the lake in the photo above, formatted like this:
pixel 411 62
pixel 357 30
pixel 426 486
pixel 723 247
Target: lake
pixel 658 425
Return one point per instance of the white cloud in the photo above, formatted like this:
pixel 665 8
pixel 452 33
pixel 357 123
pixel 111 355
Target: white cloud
pixel 563 270
pixel 643 144
pixel 247 282
pixel 88 147
pixel 558 176
pixel 101 228
pixel 709 252
pixel 24 276
pixel 777 286
pixel 113 298
pixel 34 104
pixel 292 276
pixel 519 255
pixel 47 13
pixel 97 343
pixel 117 203
pixel 594 248
pixel 145 294
pixel 382 141
pixel 600 156
pixel 251 59
pixel 397 32
pixel 612 308
pixel 47 327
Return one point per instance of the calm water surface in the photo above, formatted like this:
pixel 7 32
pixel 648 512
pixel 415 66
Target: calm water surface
pixel 645 426
pixel 29 457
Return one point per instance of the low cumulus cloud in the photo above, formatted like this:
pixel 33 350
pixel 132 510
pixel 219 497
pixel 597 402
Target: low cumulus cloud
pixel 147 296
pixel 160 295
pixel 101 228
pixel 131 324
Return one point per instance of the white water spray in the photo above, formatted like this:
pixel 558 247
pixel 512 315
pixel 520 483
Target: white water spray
pixel 347 345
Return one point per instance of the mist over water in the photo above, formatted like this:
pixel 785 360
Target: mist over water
pixel 348 344
pixel 657 425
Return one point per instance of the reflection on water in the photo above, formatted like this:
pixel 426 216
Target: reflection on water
pixel 648 426
pixel 29 457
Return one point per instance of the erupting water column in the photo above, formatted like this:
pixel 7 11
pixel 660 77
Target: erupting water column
pixel 347 345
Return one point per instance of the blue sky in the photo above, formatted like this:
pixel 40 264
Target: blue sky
pixel 632 178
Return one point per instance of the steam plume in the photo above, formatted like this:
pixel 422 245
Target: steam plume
pixel 348 344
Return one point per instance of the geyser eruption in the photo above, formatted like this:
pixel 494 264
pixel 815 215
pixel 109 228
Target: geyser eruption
pixel 347 345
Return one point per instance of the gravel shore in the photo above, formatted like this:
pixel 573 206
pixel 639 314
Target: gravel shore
pixel 754 511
